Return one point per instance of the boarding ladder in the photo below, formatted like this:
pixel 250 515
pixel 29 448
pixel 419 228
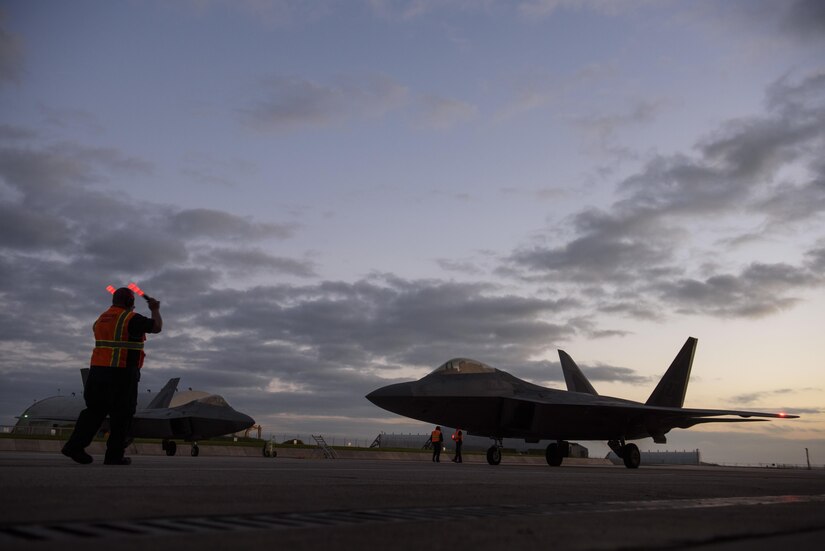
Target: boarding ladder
pixel 328 452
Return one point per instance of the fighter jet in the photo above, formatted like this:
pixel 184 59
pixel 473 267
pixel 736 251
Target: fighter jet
pixel 489 402
pixel 199 419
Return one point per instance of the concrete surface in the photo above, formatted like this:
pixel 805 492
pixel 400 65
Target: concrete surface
pixel 208 449
pixel 225 502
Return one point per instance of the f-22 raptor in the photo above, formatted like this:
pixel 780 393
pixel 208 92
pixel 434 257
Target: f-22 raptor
pixel 489 402
pixel 199 419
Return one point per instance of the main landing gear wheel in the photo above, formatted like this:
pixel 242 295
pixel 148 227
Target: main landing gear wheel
pixel 555 454
pixel 169 447
pixel 631 456
pixel 494 455
pixel 195 450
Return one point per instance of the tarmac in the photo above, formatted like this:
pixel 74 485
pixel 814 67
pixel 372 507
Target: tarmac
pixel 254 502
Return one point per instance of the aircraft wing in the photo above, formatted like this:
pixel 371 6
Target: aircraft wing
pixel 717 412
pixel 658 421
pixel 570 416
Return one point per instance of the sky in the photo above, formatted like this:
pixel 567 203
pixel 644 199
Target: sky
pixel 332 196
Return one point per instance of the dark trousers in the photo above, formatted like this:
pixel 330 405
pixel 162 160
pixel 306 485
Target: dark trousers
pixel 457 457
pixel 437 451
pixel 109 391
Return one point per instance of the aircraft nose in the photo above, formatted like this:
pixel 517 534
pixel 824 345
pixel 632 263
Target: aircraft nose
pixel 386 396
pixel 242 421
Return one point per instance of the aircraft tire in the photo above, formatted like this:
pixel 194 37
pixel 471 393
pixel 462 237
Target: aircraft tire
pixel 171 448
pixel 266 451
pixel 195 450
pixel 493 455
pixel 554 455
pixel 631 456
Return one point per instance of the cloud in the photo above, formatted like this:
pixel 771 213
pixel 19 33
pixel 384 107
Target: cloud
pixel 30 230
pixel 335 341
pixel 291 103
pixel 214 224
pixel 12 59
pixel 768 165
pixel 442 113
pixel 608 247
pixel 245 261
pixel 759 290
pixel 804 18
pixel 15 133
pixel 541 9
pixel 72 118
pixel 769 395
pixel 543 372
pixel 601 131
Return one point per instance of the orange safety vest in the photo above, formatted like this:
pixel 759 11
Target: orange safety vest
pixel 436 436
pixel 458 437
pixel 112 342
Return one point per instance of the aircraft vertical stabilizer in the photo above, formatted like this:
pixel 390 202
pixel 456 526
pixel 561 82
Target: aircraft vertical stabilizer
pixel 670 392
pixel 573 376
pixel 164 397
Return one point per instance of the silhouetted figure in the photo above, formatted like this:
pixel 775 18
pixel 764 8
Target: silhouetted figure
pixel 111 388
pixel 458 437
pixel 438 441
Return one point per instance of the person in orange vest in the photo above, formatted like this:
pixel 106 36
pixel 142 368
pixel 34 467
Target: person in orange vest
pixel 458 438
pixel 437 440
pixel 111 387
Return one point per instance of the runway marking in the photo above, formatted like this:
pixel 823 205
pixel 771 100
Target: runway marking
pixel 60 531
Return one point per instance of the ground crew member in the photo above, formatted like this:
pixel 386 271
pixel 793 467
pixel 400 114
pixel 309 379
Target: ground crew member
pixel 438 440
pixel 111 388
pixel 458 437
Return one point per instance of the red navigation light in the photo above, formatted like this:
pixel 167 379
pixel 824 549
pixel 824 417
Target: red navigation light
pixel 133 286
pixel 110 288
pixel 783 414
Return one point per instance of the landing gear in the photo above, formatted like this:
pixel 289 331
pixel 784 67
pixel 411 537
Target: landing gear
pixel 494 452
pixel 169 447
pixel 628 452
pixel 195 449
pixel 556 452
pixel 269 449
pixel 631 456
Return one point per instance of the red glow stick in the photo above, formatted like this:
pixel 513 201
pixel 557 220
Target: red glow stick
pixel 133 286
pixel 110 288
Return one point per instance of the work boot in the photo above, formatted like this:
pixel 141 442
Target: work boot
pixel 78 456
pixel 121 461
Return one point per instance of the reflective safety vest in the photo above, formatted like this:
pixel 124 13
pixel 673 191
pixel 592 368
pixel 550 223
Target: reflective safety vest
pixel 436 436
pixel 112 343
pixel 458 437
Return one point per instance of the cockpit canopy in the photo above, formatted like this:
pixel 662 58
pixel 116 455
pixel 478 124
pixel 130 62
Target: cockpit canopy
pixel 213 400
pixel 462 366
